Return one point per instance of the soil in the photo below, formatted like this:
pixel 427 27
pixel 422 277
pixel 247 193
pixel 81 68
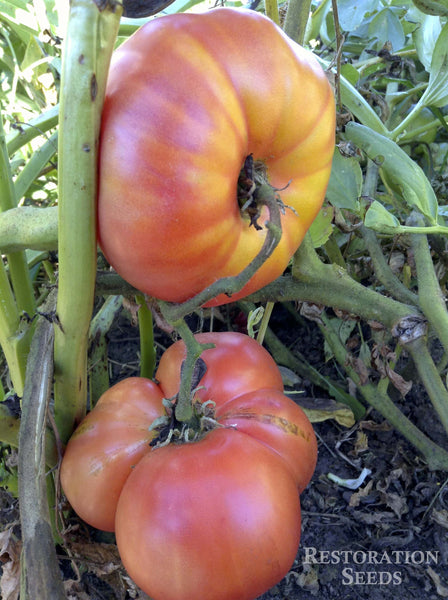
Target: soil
pixel 385 538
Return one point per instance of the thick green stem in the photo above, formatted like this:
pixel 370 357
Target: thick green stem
pixel 296 19
pixel 430 377
pixel 430 296
pixel 89 43
pixel 382 270
pixel 331 285
pixel 435 456
pixel 14 338
pixel 28 227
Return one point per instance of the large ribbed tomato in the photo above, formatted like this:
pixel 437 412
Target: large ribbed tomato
pixel 216 518
pixel 189 98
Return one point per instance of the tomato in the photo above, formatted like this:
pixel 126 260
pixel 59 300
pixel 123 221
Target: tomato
pixel 105 447
pixel 218 519
pixel 189 98
pixel 218 516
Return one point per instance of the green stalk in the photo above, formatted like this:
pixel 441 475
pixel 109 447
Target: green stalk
pixel 28 227
pixel 430 377
pixel 25 132
pixel 430 296
pixel 89 44
pixel 271 9
pixel 15 335
pixel 194 349
pixel 382 270
pixel 331 285
pixel 34 166
pixel 296 19
pixel 146 330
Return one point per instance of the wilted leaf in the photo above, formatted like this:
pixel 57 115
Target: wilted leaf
pixel 398 382
pixel 355 499
pixel 318 410
pixel 102 559
pixel 396 502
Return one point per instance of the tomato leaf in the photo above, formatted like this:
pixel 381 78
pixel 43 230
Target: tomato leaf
pixel 380 219
pixel 402 173
pixel 344 187
pixel 436 94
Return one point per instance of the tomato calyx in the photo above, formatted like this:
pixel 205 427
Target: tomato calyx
pixel 252 177
pixel 171 430
pixel 255 191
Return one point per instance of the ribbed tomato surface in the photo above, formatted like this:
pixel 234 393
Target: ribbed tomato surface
pixel 189 97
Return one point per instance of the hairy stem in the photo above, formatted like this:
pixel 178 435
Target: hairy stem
pixel 89 43
pixel 296 19
pixel 430 296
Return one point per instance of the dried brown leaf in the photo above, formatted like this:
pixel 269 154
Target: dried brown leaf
pixel 10 548
pixel 355 499
pixel 398 382
pixel 102 559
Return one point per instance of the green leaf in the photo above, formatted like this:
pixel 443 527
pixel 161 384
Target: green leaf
pixel 402 173
pixel 386 27
pixel 352 14
pixel 322 226
pixel 425 35
pixel 350 73
pixel 344 187
pixel 359 106
pixel 436 94
pixel 380 219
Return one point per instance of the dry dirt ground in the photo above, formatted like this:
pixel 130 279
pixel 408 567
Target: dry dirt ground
pixel 385 538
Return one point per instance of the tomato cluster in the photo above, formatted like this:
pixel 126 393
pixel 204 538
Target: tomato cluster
pixel 217 517
pixel 189 98
pixel 202 113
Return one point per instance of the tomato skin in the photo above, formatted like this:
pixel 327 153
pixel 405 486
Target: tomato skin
pixel 236 365
pixel 173 141
pixel 217 519
pixel 104 448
